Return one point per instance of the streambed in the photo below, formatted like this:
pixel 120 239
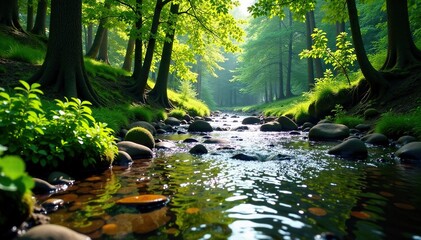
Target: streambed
pixel 295 190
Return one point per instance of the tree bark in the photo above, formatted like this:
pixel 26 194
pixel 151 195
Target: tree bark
pixel 288 92
pixel 401 52
pixel 40 20
pixel 138 55
pixel 281 67
pixel 378 85
pixel 318 67
pixel 309 43
pixel 9 14
pixel 30 15
pixel 103 49
pixel 89 38
pixel 63 69
pixel 128 58
pixel 96 45
pixel 158 94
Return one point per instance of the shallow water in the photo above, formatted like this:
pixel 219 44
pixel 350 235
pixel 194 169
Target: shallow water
pixel 294 191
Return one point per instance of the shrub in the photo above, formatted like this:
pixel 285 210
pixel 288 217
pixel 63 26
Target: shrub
pixel 141 136
pixel 177 113
pixel 67 135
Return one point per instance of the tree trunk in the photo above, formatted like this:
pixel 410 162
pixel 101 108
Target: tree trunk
pixel 63 69
pixel 9 14
pixel 89 38
pixel 199 76
pixel 378 85
pixel 142 79
pixel 96 45
pixel 40 20
pixel 318 67
pixel 281 67
pixel 103 50
pixel 402 52
pixel 137 66
pixel 128 58
pixel 309 43
pixel 288 92
pixel 30 16
pixel 340 27
pixel 158 94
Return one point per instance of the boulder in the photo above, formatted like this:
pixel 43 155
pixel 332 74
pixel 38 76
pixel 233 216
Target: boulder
pixel 242 156
pixel 123 159
pixel 363 127
pixel 287 124
pixel 144 124
pixel 198 149
pixel 135 150
pixel 371 113
pixel 43 187
pixel 271 127
pixel 190 140
pixel 307 125
pixel 141 136
pixel 351 148
pixel 200 126
pixel 410 151
pixel 328 131
pixel 405 140
pixel 251 120
pixel 172 121
pixel 376 139
pixel 52 232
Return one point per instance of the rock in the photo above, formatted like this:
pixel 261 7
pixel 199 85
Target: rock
pixel 271 127
pixel 242 156
pixel 251 120
pixel 216 141
pixel 328 131
pixel 43 187
pixel 190 140
pixel 278 157
pixel 161 131
pixel 165 145
pixel 307 125
pixel 144 124
pixel 141 136
pixel 52 232
pixel 325 121
pixel 198 149
pixel 287 124
pixel 351 148
pixel 172 121
pixel 376 139
pixel 135 150
pixel 410 151
pixel 363 127
pixel 57 177
pixel 371 113
pixel 52 204
pixel 200 126
pixel 123 159
pixel 242 128
pixel 269 119
pixel 405 140
pixel 187 118
pixel 208 119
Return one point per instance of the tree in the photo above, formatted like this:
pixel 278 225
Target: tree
pixel 39 26
pixel 103 49
pixel 30 15
pixel 63 69
pixel 128 58
pixel 96 45
pixel 9 14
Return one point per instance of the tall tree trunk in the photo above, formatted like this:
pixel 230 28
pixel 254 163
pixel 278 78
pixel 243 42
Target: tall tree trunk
pixel 378 85
pixel 142 79
pixel 30 15
pixel 288 92
pixel 340 27
pixel 281 67
pixel 40 20
pixel 63 69
pixel 309 43
pixel 318 67
pixel 401 51
pixel 103 50
pixel 199 77
pixel 9 14
pixel 158 94
pixel 128 58
pixel 96 45
pixel 89 37
pixel 138 55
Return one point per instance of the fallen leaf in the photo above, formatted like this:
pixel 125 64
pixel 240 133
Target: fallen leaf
pixel 317 211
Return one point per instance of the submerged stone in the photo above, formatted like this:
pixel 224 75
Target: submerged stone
pixel 198 149
pixel 410 151
pixel 135 150
pixel 200 126
pixel 351 148
pixel 251 120
pixel 242 156
pixel 52 232
pixel 376 139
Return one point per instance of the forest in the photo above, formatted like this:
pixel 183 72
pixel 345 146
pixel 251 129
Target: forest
pixel 115 112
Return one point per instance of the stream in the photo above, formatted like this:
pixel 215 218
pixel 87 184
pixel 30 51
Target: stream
pixel 295 190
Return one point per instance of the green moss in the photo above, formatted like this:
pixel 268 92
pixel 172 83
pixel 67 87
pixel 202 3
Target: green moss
pixel 141 136
pixel 177 113
pixel 396 125
pixel 100 69
pixel 350 121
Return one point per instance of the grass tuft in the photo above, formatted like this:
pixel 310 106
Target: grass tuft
pixel 396 125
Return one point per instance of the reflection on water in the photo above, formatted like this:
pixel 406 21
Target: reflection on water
pixel 298 195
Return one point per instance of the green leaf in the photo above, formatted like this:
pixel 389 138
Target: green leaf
pixel 25 84
pixel 12 166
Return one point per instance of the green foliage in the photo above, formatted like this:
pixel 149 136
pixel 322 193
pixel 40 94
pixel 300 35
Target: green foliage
pixel 13 177
pixel 177 113
pixel 276 108
pixel 341 117
pixel 193 106
pixel 141 136
pixel 396 125
pixel 100 69
pixel 12 49
pixel 50 139
pixel 186 90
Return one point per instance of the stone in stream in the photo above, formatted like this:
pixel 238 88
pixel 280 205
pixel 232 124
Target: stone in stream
pixel 145 125
pixel 287 124
pixel 146 199
pixel 57 177
pixel 52 204
pixel 245 157
pixel 141 136
pixel 352 148
pixel 216 141
pixel 52 232
pixel 251 120
pixel 135 150
pixel 172 121
pixel 405 140
pixel 328 132
pixel 198 149
pixel 123 159
pixel 271 127
pixel 200 126
pixel 376 139
pixel 165 145
pixel 43 187
pixel 410 151
pixel 190 140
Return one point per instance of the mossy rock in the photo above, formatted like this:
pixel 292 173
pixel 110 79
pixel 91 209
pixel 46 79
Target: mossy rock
pixel 144 124
pixel 371 113
pixel 141 136
pixel 287 124
pixel 271 127
pixel 200 126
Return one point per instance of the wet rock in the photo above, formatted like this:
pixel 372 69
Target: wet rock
pixel 242 128
pixel 123 159
pixel 141 136
pixel 198 149
pixel 135 150
pixel 251 120
pixel 269 119
pixel 52 204
pixel 200 126
pixel 410 151
pixel 161 131
pixel 242 156
pixel 215 141
pixel 57 177
pixel 187 118
pixel 43 187
pixel 307 125
pixel 376 139
pixel 325 121
pixel 278 157
pixel 351 148
pixel 172 121
pixel 144 124
pixel 208 119
pixel 371 113
pixel 271 127
pixel 405 140
pixel 190 140
pixel 165 145
pixel 287 124
pixel 328 131
pixel 363 127
pixel 52 232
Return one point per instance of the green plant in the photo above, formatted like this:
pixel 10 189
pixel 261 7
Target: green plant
pixel 397 125
pixel 66 135
pixel 141 136
pixel 177 113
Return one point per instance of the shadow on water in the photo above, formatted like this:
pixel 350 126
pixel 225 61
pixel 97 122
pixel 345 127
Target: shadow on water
pixel 294 190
